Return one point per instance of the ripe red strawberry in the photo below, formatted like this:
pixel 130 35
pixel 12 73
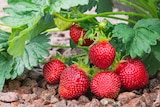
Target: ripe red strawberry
pixel 73 82
pixel 102 54
pixel 52 71
pixel 132 73
pixel 106 84
pixel 77 32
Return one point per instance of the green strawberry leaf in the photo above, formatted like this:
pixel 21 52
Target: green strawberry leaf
pixel 57 5
pixel 138 40
pixel 18 66
pixel 152 24
pixel 35 51
pixel 17 43
pixel 3 39
pixel 156 51
pixel 6 67
pixel 152 64
pixel 126 36
pixel 11 66
pixel 88 6
pixel 120 48
pixel 104 6
pixel 22 12
pixel 142 42
pixel 2 80
pixel 101 6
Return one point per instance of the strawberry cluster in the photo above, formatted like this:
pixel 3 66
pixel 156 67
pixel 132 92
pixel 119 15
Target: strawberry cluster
pixel 74 80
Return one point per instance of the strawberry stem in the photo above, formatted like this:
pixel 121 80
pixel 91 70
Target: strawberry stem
pixel 53 30
pixel 79 55
pixel 104 14
pixel 123 19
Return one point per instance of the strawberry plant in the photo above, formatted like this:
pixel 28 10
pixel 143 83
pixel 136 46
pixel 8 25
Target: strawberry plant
pixel 25 43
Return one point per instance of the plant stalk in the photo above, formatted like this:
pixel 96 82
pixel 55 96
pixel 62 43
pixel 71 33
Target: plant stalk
pixel 105 14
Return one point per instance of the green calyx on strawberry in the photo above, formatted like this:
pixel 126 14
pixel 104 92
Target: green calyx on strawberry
pixel 103 25
pixel 132 73
pixel 74 82
pixel 102 54
pixel 106 84
pixel 77 34
pixel 52 71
